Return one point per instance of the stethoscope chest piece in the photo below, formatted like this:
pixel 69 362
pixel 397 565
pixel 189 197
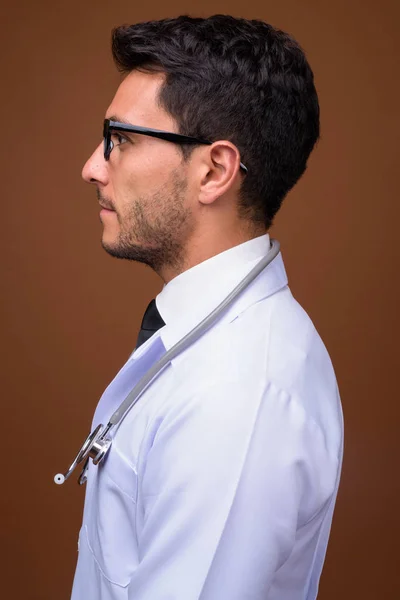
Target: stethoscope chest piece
pixel 95 447
pixel 99 450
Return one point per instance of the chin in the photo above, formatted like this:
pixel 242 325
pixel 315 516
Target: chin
pixel 109 244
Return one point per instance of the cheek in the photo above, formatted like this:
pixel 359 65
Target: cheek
pixel 153 166
pixel 144 174
pixel 123 190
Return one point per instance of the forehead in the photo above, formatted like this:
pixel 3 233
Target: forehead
pixel 136 101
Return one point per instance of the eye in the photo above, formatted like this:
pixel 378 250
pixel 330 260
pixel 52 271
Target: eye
pixel 118 139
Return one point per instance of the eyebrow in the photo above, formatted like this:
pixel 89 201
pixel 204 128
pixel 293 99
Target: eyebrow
pixel 119 119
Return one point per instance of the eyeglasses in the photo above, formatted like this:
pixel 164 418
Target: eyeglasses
pixel 176 138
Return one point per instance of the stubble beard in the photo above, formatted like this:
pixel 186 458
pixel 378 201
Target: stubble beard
pixel 156 229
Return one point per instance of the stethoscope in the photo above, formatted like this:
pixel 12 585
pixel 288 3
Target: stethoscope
pixel 98 443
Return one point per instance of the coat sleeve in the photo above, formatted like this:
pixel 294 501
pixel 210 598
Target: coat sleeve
pixel 224 486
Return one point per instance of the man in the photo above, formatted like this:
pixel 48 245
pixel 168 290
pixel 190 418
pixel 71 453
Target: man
pixel 221 481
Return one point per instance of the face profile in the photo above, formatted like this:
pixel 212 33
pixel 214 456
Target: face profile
pixel 142 188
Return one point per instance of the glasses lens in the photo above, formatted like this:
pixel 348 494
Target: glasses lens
pixel 106 141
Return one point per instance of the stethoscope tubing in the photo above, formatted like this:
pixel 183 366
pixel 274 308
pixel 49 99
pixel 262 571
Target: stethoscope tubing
pixel 188 339
pixel 102 434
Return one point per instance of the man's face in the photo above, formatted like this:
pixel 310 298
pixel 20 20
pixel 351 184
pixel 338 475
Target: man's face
pixel 144 186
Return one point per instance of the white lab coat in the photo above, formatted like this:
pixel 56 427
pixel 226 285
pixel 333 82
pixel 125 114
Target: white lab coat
pixel 221 481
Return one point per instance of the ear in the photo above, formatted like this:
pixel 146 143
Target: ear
pixel 220 171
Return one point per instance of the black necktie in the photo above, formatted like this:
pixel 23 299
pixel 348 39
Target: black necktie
pixel 152 321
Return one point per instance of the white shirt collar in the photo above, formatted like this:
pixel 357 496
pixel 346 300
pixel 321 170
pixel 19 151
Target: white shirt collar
pixel 190 291
pixel 191 296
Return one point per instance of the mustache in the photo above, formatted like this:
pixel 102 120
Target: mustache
pixel 105 202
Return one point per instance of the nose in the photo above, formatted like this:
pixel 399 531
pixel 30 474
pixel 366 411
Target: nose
pixel 95 168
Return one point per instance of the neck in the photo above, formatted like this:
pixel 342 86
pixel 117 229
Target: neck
pixel 207 244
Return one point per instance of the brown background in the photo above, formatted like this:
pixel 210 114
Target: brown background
pixel 71 313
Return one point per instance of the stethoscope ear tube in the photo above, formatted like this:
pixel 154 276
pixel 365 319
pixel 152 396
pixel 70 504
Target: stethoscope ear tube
pixel 98 442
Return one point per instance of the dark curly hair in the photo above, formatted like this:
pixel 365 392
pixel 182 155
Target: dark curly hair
pixel 235 79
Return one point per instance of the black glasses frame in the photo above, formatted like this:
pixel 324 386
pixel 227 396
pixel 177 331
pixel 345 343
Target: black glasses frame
pixel 176 138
